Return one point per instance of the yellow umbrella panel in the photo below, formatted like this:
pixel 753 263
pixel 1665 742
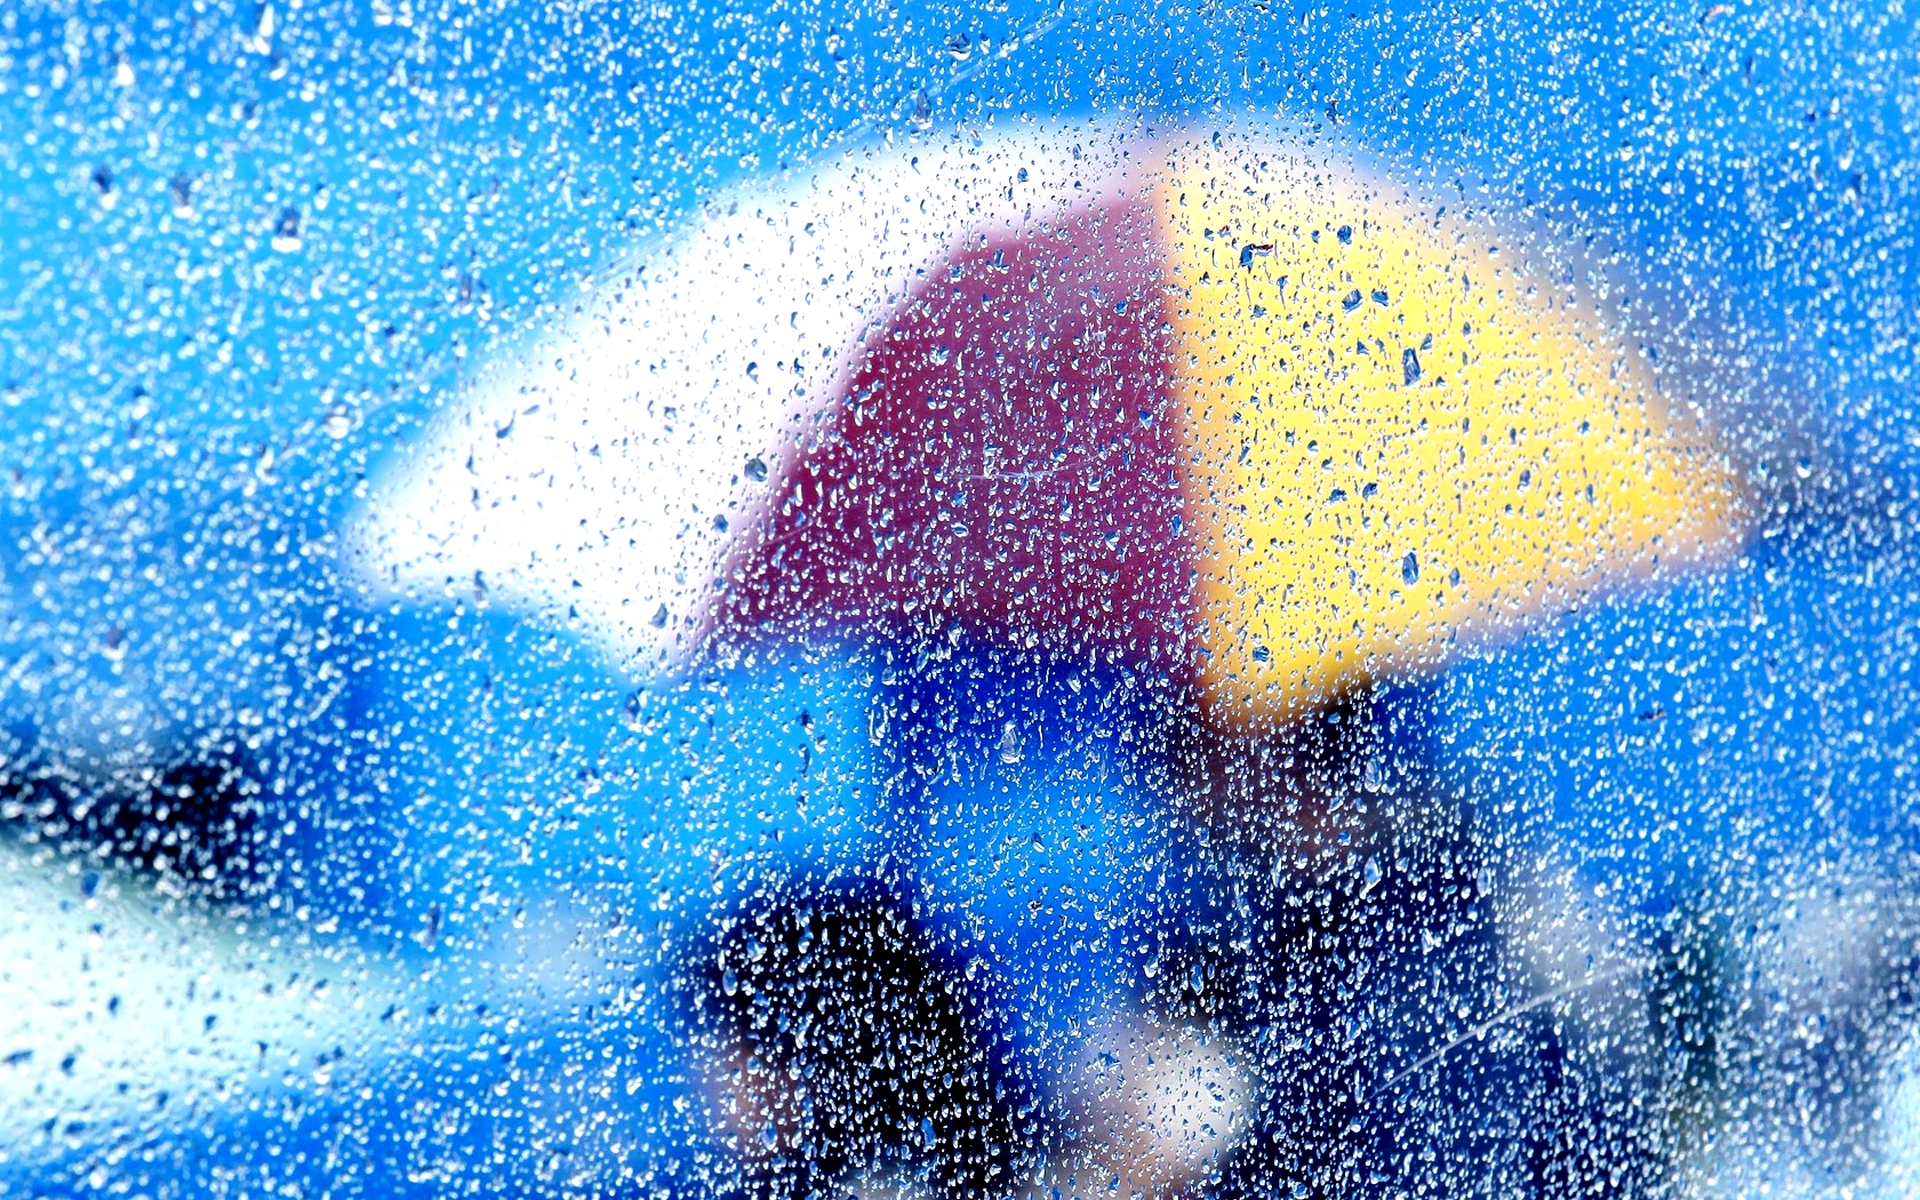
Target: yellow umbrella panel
pixel 1395 441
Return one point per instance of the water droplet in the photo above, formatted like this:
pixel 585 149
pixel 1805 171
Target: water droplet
pixel 1371 874
pixel 1345 234
pixel 1010 749
pixel 659 620
pixel 286 231
pixel 729 982
pixel 960 47
pixel 1410 568
pixel 1352 300
pixel 1197 979
pixel 633 712
pixel 338 423
pixel 1409 366
pixel 757 470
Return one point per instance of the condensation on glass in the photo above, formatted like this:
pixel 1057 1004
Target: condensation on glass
pixel 1083 600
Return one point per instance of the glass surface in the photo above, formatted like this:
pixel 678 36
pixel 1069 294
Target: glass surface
pixel 934 600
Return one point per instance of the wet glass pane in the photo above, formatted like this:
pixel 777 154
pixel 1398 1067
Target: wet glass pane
pixel 932 600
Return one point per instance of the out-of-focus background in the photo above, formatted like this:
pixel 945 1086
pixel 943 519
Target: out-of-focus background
pixel 324 881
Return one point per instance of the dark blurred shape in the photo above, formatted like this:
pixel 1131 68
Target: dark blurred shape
pixel 200 820
pixel 839 1050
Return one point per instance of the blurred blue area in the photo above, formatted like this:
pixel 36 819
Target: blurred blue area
pixel 535 777
pixel 1049 853
pixel 1729 728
